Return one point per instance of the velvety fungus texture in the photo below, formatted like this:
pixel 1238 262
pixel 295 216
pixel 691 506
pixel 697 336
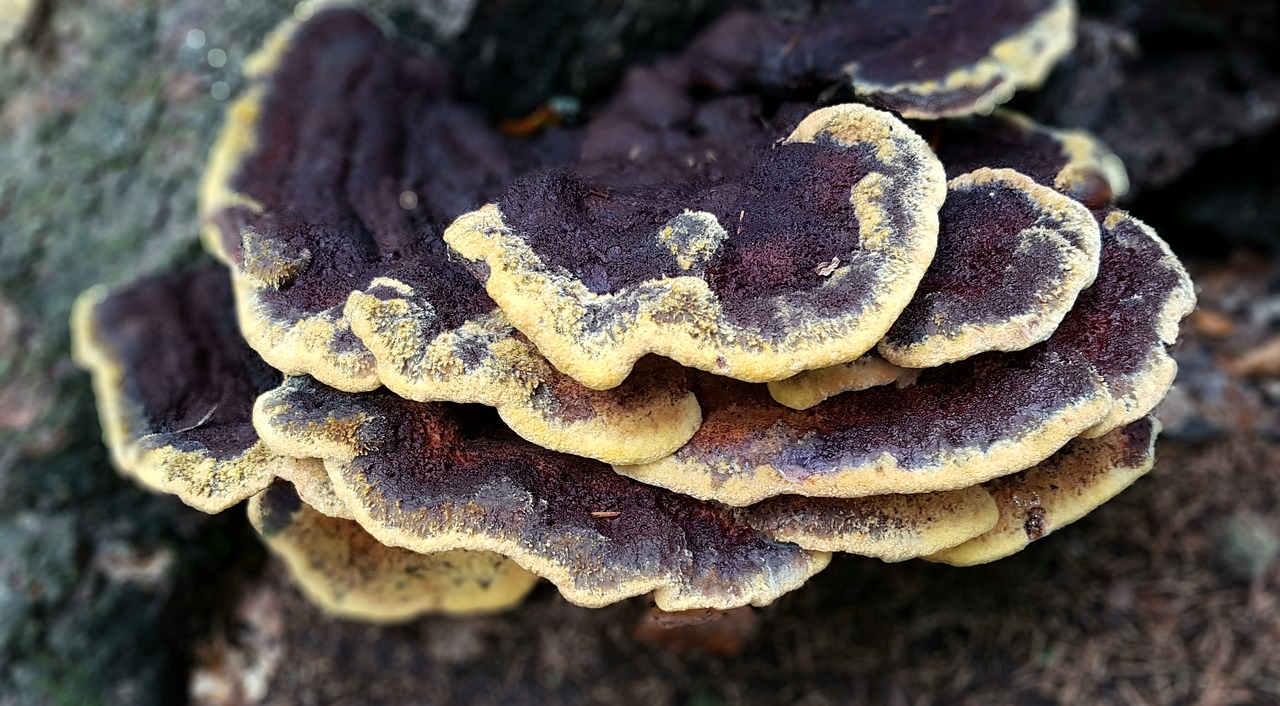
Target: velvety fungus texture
pixel 1066 487
pixel 956 424
pixel 788 257
pixel 919 58
pixel 888 527
pixel 326 194
pixel 1071 161
pixel 175 385
pixel 687 350
pixel 1012 257
pixel 435 477
pixel 350 574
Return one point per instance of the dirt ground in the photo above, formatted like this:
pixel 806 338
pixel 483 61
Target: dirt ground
pixel 108 595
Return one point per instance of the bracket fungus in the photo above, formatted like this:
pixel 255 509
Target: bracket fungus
pixel 340 277
pixel 919 58
pixel 175 385
pixel 474 346
pixel 1012 257
pixel 434 477
pixel 956 424
pixel 1066 487
pixel 311 484
pixel 1071 161
pixel 714 265
pixel 888 527
pixel 810 387
pixel 1129 318
pixel 349 573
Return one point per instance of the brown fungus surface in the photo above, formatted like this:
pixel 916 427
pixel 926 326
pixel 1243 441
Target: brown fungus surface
pixel 957 424
pixel 765 261
pixel 1012 257
pixel 348 573
pixel 1071 161
pixel 888 527
pixel 1126 321
pixel 1083 475
pixel 920 58
pixel 175 386
pixel 436 477
pixel 327 193
pixel 484 360
pixel 317 156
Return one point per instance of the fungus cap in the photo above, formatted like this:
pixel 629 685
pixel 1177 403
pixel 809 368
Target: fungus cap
pixel 350 574
pixel 175 386
pixel 326 194
pixel 1129 318
pixel 920 58
pixel 311 483
pixel 435 477
pixel 961 423
pixel 756 265
pixel 888 527
pixel 1012 257
pixel 1071 161
pixel 484 360
pixel 955 426
pixel 806 389
pixel 1083 475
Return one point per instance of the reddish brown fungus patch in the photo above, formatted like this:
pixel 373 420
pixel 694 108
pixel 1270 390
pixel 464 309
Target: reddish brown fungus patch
pixel 444 477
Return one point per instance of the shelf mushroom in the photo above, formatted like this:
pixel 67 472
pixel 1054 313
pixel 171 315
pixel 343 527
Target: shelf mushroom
pixel 175 384
pixel 1012 258
pixel 918 58
pixel 326 196
pixel 454 399
pixel 785 258
pixel 350 574
pixel 1071 162
pixel 961 423
pixel 1036 502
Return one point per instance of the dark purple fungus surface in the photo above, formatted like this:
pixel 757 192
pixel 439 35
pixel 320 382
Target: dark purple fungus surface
pixel 1073 162
pixel 1012 258
pixel 956 424
pixel 434 477
pixel 732 252
pixel 175 386
pixel 331 185
pixel 920 58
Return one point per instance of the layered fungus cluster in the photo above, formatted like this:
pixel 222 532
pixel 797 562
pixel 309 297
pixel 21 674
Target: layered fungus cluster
pixel 730 326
